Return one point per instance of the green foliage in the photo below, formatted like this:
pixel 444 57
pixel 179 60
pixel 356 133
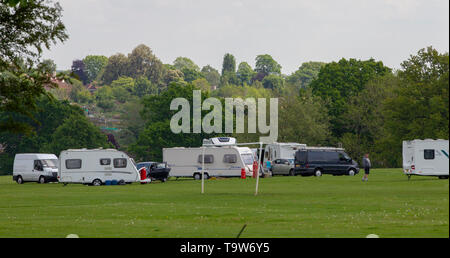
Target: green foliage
pixel 51 116
pixel 339 81
pixel 211 75
pixel 105 98
pixel 142 62
pixel 245 73
pixel 157 133
pixel 26 28
pixel 94 65
pixel 229 64
pixel 303 119
pixel 144 87
pixel 266 65
pixel 273 82
pixel 191 75
pixel 77 132
pixel 181 63
pixel 420 107
pixel 305 74
pixel 116 67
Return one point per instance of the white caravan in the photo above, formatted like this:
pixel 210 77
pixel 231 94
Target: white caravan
pixel 225 161
pixel 35 167
pixel 426 158
pixel 96 167
pixel 279 150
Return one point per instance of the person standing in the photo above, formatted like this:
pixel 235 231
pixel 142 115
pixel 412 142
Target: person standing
pixel 366 165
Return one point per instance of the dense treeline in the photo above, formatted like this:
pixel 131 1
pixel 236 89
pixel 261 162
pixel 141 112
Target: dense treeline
pixel 359 104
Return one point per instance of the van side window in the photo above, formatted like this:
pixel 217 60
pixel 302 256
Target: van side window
pixel 229 158
pixel 38 165
pixel 105 162
pixel 428 154
pixel 208 159
pixel 120 163
pixel 316 156
pixel 73 163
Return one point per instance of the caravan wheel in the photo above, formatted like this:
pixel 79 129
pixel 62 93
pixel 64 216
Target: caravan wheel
pixel 41 180
pixel 443 177
pixel 197 176
pixel 96 182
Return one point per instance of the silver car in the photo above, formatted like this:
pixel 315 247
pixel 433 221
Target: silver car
pixel 283 167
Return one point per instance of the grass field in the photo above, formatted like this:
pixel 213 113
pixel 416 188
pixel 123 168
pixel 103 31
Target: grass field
pixel 388 205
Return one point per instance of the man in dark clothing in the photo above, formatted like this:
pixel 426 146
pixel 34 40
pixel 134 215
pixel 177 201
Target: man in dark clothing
pixel 366 165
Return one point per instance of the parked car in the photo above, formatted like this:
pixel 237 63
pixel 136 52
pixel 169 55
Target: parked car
pixel 323 160
pixel 283 167
pixel 155 170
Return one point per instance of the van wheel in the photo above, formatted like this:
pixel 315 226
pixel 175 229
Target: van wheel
pixel 351 172
pixel 164 180
pixel 197 176
pixel 96 182
pixel 41 180
pixel 443 177
pixel 19 180
pixel 291 172
pixel 318 172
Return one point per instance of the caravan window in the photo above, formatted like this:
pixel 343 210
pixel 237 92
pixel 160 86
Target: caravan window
pixel 208 159
pixel 428 154
pixel 73 163
pixel 229 158
pixel 120 163
pixel 105 162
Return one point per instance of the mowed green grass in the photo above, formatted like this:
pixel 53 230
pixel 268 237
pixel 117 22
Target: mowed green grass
pixel 330 206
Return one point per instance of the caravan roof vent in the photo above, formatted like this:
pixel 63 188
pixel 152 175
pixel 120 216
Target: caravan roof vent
pixel 220 141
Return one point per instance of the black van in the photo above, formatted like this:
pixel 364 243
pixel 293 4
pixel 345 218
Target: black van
pixel 319 161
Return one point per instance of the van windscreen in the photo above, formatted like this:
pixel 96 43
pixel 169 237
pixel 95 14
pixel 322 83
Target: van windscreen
pixel 50 163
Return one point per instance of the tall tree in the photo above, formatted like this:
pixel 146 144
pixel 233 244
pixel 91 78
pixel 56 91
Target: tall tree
pixel 266 65
pixel 27 27
pixel 338 81
pixel 245 73
pixel 211 75
pixel 94 65
pixel 142 62
pixel 79 71
pixel 229 64
pixel 118 65
pixel 181 63
pixel 305 74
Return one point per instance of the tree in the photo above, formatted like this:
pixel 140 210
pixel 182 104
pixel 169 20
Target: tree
pixel 79 71
pixel 181 63
pixel 303 119
pixel 305 74
pixel 191 75
pixel 144 87
pixel 420 106
pixel 105 98
pixel 211 75
pixel 49 116
pixel 116 67
pixel 122 88
pixel 94 66
pixel 337 82
pixel 202 84
pixel 273 82
pixel 142 62
pixel 77 133
pixel 266 65
pixel 245 73
pixel 157 133
pixel 229 64
pixel 26 28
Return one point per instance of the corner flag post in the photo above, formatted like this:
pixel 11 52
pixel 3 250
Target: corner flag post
pixel 203 170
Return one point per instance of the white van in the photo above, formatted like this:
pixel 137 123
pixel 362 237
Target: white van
pixel 280 150
pixel 426 158
pixel 96 167
pixel 35 167
pixel 225 161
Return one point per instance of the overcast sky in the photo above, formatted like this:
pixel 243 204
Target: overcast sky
pixel 292 31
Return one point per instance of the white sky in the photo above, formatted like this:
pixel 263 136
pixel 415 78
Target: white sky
pixel 292 31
